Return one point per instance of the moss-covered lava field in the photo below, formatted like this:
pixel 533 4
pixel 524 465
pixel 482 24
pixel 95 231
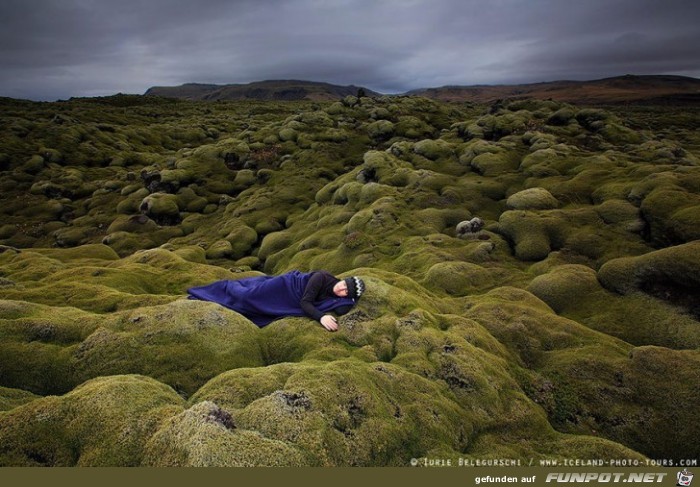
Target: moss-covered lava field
pixel 566 326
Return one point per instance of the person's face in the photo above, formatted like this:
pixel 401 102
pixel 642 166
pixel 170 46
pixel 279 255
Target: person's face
pixel 341 289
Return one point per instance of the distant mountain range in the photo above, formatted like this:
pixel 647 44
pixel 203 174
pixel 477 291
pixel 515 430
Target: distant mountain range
pixel 260 90
pixel 620 89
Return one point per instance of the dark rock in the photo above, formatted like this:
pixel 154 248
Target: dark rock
pixel 140 219
pixel 152 181
pixel 233 161
pixel 469 226
pixel 367 175
pixel 42 332
pixel 295 402
pixel 222 417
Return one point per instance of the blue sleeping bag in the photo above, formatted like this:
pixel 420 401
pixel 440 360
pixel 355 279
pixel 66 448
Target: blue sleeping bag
pixel 264 299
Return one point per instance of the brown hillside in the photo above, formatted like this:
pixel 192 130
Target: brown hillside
pixel 260 90
pixel 622 89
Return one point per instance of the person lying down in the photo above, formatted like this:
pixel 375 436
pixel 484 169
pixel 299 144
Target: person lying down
pixel 264 299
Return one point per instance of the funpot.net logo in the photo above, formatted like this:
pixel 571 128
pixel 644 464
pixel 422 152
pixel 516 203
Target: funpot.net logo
pixel 684 478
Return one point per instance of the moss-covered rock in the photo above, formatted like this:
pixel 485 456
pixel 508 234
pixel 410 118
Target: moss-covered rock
pixel 12 398
pixel 413 127
pixel 34 164
pixel 532 199
pixel 288 134
pixel 161 207
pixel 240 236
pixel 206 436
pixel 183 344
pixel 433 149
pixel 133 224
pixel 672 215
pixel 104 422
pixel 386 169
pixel 72 236
pixel 221 249
pixel 340 413
pixel 381 130
pixel 621 213
pixel 489 164
pixel 125 243
pixel 672 272
pixel 566 284
pixel 581 402
pixel 591 118
pixel 190 201
pixel 274 242
pixel 532 235
pixel 458 278
pixel 562 116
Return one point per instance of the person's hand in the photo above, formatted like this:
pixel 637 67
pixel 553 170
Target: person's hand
pixel 329 323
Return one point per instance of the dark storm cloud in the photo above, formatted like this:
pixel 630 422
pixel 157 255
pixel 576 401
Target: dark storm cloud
pixel 57 49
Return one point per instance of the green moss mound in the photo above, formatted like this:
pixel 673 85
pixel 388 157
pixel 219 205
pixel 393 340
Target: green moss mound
pixel 670 269
pixel 103 422
pixel 11 398
pixel 206 436
pixel 532 199
pixel 564 285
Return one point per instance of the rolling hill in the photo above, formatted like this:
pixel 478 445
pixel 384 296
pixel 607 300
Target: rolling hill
pixel 620 89
pixel 260 90
pixel 651 89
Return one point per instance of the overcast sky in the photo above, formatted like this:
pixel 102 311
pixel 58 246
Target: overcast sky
pixel 55 49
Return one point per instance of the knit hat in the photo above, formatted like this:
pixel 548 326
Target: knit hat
pixel 356 287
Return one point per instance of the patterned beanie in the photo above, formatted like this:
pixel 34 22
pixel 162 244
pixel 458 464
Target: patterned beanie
pixel 356 287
